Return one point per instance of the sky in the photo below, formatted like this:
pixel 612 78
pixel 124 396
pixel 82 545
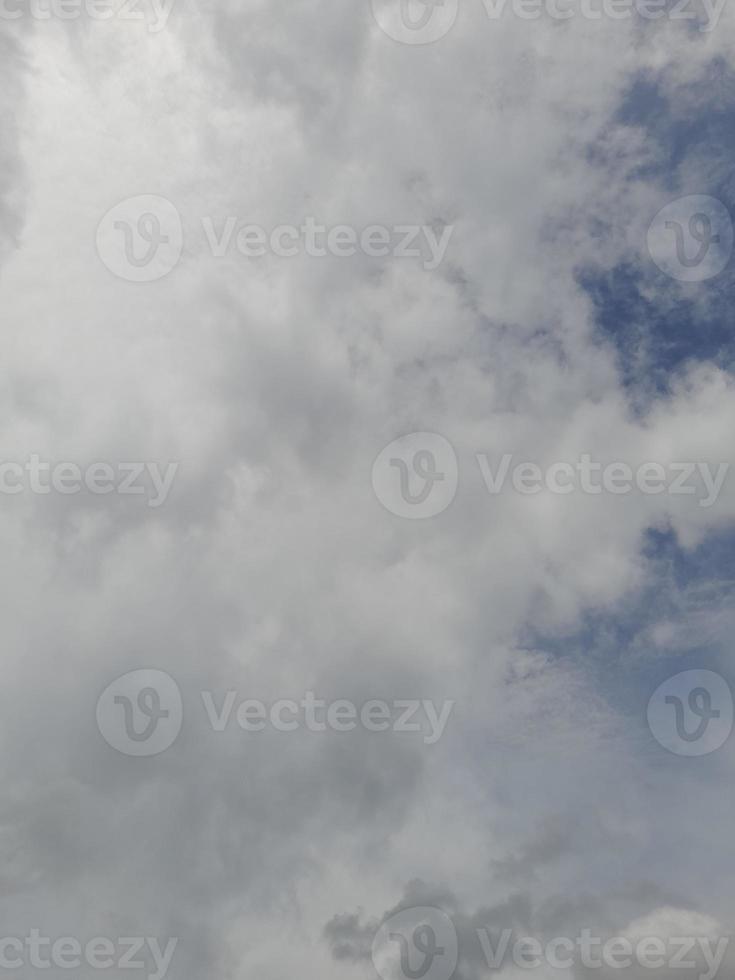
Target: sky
pixel 379 355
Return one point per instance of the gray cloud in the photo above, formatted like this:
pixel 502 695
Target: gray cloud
pixel 273 569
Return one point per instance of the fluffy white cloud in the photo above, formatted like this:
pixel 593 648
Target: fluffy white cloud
pixel 273 568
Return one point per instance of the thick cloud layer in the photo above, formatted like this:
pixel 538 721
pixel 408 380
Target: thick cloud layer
pixel 273 569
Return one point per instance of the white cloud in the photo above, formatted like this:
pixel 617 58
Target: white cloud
pixel 272 567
